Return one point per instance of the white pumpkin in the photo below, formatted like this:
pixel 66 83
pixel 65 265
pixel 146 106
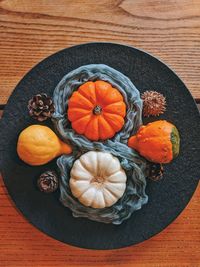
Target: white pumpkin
pixel 97 179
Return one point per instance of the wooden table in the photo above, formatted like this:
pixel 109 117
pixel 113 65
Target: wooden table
pixel 32 30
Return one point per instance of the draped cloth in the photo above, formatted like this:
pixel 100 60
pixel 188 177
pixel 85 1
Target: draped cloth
pixel 134 165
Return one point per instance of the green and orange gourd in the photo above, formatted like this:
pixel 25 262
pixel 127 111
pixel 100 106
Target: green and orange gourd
pixel 158 141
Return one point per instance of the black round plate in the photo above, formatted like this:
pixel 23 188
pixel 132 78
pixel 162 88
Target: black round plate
pixel 167 198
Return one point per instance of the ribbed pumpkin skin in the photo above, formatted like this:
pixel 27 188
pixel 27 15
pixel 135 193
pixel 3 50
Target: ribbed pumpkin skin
pixel 97 179
pixel 96 110
pixel 154 141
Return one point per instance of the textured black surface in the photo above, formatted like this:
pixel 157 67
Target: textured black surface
pixel 167 198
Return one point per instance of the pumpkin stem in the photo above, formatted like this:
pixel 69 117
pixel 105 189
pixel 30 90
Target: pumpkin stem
pixel 98 179
pixel 97 110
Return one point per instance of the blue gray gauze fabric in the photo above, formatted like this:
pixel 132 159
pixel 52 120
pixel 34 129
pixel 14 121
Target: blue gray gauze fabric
pixel 134 165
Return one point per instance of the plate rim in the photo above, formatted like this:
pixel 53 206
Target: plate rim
pixel 7 107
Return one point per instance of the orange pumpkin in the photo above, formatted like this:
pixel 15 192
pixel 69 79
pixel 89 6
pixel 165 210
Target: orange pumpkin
pixel 158 141
pixel 96 110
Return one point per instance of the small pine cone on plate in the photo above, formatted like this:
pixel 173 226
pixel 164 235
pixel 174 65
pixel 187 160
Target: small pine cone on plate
pixel 41 107
pixel 48 182
pixel 155 171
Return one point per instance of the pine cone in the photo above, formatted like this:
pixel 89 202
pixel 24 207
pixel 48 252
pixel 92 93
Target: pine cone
pixel 48 182
pixel 41 107
pixel 156 171
pixel 154 103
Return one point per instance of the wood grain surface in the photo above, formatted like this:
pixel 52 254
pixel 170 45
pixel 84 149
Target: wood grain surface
pixel 32 30
pixel 23 245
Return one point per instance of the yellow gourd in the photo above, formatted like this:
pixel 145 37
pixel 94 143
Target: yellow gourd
pixel 38 145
